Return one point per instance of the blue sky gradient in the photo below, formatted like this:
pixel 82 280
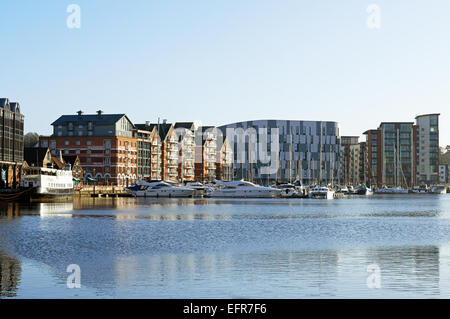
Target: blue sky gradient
pixel 216 62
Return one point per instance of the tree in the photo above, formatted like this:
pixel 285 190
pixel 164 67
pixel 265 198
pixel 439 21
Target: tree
pixel 31 139
pixel 444 157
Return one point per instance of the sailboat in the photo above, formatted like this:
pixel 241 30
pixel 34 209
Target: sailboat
pixel 321 191
pixel 397 168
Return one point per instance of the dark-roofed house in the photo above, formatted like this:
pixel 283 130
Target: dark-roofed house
pixel 104 144
pixel 224 163
pixel 186 164
pixel 11 143
pixel 169 151
pixel 149 152
pixel 205 153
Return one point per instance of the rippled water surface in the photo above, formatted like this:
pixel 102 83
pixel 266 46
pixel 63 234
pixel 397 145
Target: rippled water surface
pixel 209 248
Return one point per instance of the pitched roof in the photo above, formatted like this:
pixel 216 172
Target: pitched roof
pixel 143 127
pixel 34 155
pixel 162 128
pixel 186 125
pixel 58 162
pixel 71 159
pixel 94 118
pixel 4 102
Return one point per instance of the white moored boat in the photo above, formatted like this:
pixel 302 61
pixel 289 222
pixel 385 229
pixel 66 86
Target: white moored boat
pixel 47 183
pixel 321 192
pixel 391 190
pixel 244 189
pixel 287 190
pixel 438 189
pixel 160 189
pixel 199 188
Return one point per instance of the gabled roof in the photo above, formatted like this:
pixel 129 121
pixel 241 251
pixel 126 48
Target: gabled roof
pixel 103 119
pixel 186 125
pixel 4 102
pixel 199 133
pixel 15 107
pixel 70 159
pixel 162 128
pixel 58 162
pixel 34 155
pixel 143 127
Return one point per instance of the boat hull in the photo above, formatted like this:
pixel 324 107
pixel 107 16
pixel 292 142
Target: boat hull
pixel 163 193
pixel 244 194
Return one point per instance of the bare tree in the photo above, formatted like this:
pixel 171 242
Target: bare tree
pixel 31 139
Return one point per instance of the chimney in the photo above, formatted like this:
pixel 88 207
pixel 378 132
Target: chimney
pixel 165 121
pixel 80 112
pixel 147 123
pixel 99 112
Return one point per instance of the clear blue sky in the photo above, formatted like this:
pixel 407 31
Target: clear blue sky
pixel 221 61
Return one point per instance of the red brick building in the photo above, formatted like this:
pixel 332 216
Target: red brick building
pixel 104 144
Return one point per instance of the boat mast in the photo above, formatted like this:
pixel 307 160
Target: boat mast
pixel 290 159
pixel 320 155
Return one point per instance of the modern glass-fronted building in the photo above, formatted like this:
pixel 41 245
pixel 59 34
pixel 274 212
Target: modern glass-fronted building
pixel 283 150
pixel 428 148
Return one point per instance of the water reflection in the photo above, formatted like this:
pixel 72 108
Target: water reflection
pixel 9 210
pixel 10 272
pixel 406 271
pixel 203 248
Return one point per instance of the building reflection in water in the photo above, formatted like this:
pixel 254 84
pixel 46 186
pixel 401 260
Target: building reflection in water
pixel 10 272
pixel 9 210
pixel 405 271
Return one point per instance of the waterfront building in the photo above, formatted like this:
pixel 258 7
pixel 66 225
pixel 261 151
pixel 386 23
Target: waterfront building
pixel 104 144
pixel 11 143
pixel 169 151
pixel 374 157
pixel 224 162
pixel 304 150
pixel 444 177
pixel 205 153
pixel 428 148
pixel 186 139
pixel 392 157
pixel 363 163
pixel 149 151
pixel 349 172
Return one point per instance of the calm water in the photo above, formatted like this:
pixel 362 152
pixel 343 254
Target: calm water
pixel 197 248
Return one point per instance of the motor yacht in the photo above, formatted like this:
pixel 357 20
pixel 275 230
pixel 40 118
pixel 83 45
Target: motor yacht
pixel 321 192
pixel 287 190
pixel 244 189
pixel 391 190
pixel 199 188
pixel 438 189
pixel 363 190
pixel 159 189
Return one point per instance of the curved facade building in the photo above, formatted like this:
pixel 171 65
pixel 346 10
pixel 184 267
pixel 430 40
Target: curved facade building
pixel 284 150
